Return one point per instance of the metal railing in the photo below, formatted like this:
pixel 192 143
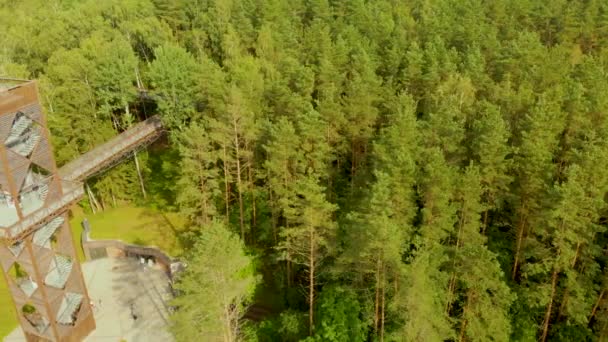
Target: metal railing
pixel 106 154
pixel 7 83
pixel 72 192
pixel 79 169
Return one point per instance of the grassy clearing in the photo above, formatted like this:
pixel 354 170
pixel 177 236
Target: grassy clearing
pixel 139 226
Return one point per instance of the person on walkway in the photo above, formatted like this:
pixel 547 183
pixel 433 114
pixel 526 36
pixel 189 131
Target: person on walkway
pixel 133 314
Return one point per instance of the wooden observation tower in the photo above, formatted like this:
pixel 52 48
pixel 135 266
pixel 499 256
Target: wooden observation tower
pixel 37 254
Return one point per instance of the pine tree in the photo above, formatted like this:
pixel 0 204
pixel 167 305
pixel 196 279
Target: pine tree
pixel 311 239
pixel 535 172
pixel 490 150
pixel 425 293
pixel 477 277
pixel 281 170
pixel 174 77
pixel 198 183
pixel 214 289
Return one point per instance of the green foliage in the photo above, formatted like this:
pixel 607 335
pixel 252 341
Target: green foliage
pixel 289 326
pixel 339 316
pixel 173 74
pixel 215 287
pixel 429 170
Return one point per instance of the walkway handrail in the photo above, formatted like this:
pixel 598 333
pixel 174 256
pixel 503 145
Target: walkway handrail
pixel 105 154
pixel 72 192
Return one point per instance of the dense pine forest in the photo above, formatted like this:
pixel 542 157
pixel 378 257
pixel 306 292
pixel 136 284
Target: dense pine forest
pixel 351 170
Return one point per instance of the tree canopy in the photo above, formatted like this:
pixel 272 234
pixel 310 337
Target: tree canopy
pixel 383 170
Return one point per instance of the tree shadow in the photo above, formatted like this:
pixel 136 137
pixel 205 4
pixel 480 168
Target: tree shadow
pixel 161 224
pixel 147 290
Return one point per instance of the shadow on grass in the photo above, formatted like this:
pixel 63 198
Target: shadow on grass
pixel 160 224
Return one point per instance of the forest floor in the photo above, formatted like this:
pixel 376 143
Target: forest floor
pixel 136 225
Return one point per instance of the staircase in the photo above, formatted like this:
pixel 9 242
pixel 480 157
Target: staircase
pixel 58 275
pixel 21 124
pixel 43 235
pixel 68 308
pixel 43 191
pixel 27 144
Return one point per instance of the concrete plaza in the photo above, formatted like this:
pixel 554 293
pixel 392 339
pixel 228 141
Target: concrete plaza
pixel 121 289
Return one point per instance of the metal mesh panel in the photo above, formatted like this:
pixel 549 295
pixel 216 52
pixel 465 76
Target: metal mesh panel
pixel 55 296
pixel 3 181
pixel 15 160
pixel 22 124
pixel 34 112
pixel 19 173
pixel 61 268
pixel 43 260
pixel 54 192
pixel 42 155
pixel 6 121
pixel 68 309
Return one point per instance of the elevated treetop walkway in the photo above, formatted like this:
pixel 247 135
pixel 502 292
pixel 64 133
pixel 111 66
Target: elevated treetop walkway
pixel 113 151
pixel 37 251
pixel 18 95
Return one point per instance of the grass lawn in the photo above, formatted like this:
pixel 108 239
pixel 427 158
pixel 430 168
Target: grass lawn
pixel 139 226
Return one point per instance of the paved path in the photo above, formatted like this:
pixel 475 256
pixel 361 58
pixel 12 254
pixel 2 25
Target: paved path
pixel 121 284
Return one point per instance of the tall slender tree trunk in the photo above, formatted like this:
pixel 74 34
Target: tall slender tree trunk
pixel 227 324
pixel 377 298
pixel 205 204
pixel 238 179
pixel 451 289
pixel 92 200
pixel 103 204
pixel 252 190
pixel 452 285
pixel 226 184
pixel 113 199
pixel 311 281
pixel 139 175
pixel 382 309
pixel 250 175
pixel 353 166
pixel 288 261
pixel 543 337
pixel 140 84
pixel 331 173
pixel 463 325
pixel 520 238
pixel 273 218
pixel 597 304
pixel 288 264
pixel 484 227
